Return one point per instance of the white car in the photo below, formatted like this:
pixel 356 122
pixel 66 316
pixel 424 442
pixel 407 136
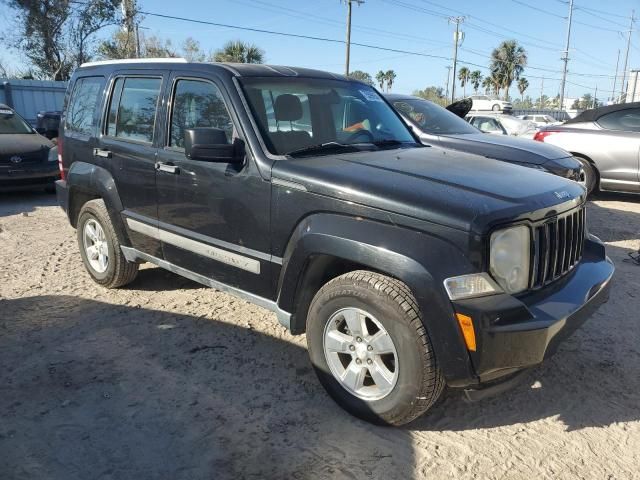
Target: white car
pixel 513 125
pixel 540 120
pixel 487 103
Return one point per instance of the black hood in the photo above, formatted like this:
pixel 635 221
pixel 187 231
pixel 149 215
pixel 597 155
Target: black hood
pixel 462 191
pixel 16 144
pixel 504 147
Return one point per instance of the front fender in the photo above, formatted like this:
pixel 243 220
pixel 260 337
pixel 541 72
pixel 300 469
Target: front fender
pixel 418 259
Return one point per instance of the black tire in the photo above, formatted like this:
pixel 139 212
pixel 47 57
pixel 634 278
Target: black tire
pixel 419 383
pixel 51 188
pixel 119 271
pixel 496 108
pixel 590 175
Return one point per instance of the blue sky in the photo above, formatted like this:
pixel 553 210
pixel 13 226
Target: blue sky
pixel 419 26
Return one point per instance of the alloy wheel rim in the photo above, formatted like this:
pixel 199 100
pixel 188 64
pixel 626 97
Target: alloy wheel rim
pixel 361 354
pixel 95 246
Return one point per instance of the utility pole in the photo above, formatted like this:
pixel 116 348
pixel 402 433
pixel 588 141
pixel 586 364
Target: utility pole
pixel 626 58
pixel 456 40
pixel 615 79
pixel 565 55
pixel 542 94
pixel 446 95
pixel 349 2
pixel 595 98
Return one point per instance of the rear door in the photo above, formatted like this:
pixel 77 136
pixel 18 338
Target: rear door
pixel 129 144
pixel 624 128
pixel 213 216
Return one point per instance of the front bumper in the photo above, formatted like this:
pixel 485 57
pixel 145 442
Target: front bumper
pixel 28 176
pixel 516 332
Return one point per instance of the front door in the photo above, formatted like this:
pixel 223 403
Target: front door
pixel 213 216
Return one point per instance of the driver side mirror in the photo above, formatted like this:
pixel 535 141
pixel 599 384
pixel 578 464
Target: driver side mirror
pixel 211 145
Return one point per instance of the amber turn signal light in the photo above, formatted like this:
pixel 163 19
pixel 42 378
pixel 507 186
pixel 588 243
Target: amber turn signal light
pixel 469 334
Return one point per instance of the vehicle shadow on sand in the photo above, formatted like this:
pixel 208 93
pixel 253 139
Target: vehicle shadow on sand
pixel 95 390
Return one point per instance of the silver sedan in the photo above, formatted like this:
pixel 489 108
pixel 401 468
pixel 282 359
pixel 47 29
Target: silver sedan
pixel 606 141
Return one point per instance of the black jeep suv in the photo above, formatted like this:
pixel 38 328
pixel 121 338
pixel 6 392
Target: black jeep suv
pixel 408 267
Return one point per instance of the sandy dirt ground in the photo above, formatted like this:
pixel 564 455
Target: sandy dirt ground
pixel 165 379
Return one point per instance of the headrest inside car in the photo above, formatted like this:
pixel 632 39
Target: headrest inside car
pixel 288 108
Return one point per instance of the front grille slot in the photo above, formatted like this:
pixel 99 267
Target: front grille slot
pixel 32 157
pixel 557 247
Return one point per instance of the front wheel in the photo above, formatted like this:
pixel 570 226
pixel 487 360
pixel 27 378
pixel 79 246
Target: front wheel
pixel 370 349
pixel 496 108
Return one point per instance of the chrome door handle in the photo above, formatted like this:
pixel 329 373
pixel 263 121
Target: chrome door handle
pixel 166 167
pixel 98 152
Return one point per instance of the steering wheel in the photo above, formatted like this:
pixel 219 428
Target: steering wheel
pixel 360 133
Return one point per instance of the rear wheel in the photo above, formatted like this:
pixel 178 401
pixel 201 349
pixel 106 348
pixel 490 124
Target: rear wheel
pixel 496 108
pixel 589 176
pixel 370 349
pixel 100 248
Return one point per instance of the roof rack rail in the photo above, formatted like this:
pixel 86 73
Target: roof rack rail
pixel 134 60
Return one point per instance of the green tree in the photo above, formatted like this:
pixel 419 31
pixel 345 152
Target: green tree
pixel 390 77
pixel 55 36
pixel 191 51
pixel 237 51
pixel 487 84
pixel 476 79
pixel 381 78
pixel 362 76
pixel 464 74
pixel 523 84
pixel 433 94
pixel 122 45
pixel 507 63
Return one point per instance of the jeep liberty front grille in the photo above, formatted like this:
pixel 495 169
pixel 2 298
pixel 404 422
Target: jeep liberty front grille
pixel 557 246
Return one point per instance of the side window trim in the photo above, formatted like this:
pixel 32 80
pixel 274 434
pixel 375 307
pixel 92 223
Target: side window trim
pixel 105 116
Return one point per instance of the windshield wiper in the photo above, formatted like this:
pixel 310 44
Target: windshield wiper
pixel 322 147
pixel 391 142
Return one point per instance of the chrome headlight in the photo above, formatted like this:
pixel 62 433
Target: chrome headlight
pixel 510 253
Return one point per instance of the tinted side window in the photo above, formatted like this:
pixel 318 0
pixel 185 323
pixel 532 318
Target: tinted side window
pixel 198 104
pixel 81 113
pixel 625 120
pixel 136 114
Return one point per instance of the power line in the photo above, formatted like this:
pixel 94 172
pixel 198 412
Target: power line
pixel 539 10
pixel 583 10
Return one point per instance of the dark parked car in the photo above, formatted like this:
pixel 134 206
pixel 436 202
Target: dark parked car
pixel 48 124
pixel 607 142
pixel 26 157
pixel 408 267
pixel 437 126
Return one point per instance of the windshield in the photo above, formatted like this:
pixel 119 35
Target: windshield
pixel 432 118
pixel 298 115
pixel 12 123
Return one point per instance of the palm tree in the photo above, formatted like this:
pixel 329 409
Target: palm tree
pixel 463 76
pixel 487 84
pixel 523 84
pixel 381 77
pixel 390 76
pixel 476 79
pixel 508 62
pixel 239 52
pixel 497 82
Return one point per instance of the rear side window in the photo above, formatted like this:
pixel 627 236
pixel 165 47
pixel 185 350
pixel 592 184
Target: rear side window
pixel 132 113
pixel 81 112
pixel 623 120
pixel 198 104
